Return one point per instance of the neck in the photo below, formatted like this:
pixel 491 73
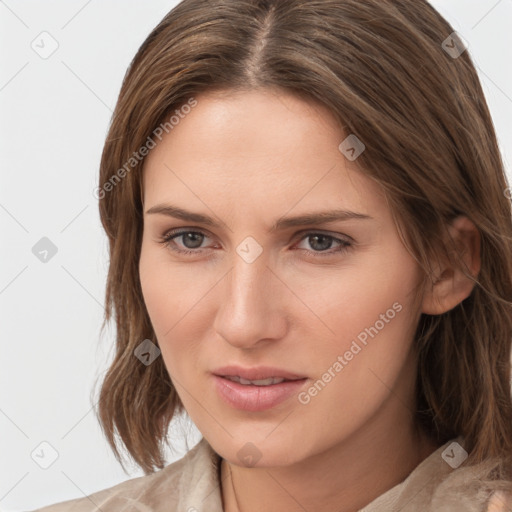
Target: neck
pixel 345 478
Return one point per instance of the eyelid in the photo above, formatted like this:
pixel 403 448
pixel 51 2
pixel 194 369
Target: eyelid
pixel 314 231
pixel 188 229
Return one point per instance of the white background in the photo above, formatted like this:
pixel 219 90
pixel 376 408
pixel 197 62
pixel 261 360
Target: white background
pixel 54 115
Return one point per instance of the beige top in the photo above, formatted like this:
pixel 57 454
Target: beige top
pixel 192 484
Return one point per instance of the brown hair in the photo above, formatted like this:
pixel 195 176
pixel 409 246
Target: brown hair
pixel 380 68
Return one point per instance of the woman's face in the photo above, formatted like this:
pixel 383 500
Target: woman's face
pixel 328 304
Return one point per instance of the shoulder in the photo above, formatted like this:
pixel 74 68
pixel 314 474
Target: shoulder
pixel 471 489
pixel 186 480
pixel 500 501
pixel 443 483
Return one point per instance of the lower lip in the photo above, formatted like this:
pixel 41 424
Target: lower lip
pixel 256 398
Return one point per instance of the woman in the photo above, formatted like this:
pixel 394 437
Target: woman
pixel 310 254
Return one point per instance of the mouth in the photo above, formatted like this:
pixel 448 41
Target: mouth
pixel 258 375
pixel 256 395
pixel 259 382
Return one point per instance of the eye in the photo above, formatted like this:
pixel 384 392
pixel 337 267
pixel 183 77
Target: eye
pixel 191 241
pixel 321 243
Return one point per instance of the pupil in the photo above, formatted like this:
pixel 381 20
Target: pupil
pixel 195 238
pixel 322 247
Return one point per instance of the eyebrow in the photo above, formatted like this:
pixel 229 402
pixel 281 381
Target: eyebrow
pixel 313 218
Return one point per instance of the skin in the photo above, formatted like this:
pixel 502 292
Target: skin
pixel 247 159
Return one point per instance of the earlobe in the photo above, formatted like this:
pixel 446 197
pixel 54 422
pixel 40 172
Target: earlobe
pixel 452 284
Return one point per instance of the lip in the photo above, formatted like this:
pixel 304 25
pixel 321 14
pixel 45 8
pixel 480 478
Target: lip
pixel 256 398
pixel 256 373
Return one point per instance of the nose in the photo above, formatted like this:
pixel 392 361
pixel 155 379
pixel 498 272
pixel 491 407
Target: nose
pixel 252 304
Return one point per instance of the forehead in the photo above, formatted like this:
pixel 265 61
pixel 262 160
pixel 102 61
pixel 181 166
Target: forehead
pixel 245 148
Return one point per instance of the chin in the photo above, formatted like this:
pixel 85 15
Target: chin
pixel 258 452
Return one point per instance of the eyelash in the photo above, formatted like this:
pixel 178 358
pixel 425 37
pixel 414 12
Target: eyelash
pixel 168 238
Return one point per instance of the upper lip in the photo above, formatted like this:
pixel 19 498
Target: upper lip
pixel 256 373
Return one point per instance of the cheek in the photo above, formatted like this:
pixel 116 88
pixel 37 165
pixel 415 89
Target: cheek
pixel 371 313
pixel 173 296
pixel 366 359
pixel 158 291
pixel 169 290
pixel 355 299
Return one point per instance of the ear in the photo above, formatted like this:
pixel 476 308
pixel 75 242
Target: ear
pixel 451 286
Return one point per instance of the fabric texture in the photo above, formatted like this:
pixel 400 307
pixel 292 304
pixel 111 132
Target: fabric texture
pixel 192 484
